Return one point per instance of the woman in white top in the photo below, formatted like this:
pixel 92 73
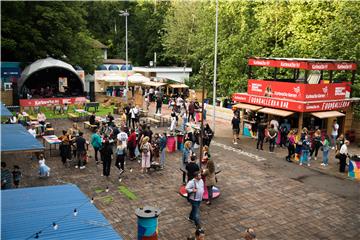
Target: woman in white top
pixel 134 115
pixel 41 119
pixel 343 154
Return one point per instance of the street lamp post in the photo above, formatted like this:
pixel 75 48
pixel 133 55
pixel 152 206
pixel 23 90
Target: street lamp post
pixel 126 14
pixel 215 63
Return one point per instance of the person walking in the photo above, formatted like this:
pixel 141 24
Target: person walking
pixel 208 135
pixel 191 111
pixel 80 150
pixel 162 144
pixel 235 122
pixel 261 135
pixel 325 149
pixel 343 155
pixel 305 149
pixel 106 156
pixel 145 150
pixel 316 144
pixel 96 143
pixel 158 105
pixel 185 158
pixel 173 121
pixel 65 148
pixel 132 144
pixel 334 133
pixel 272 138
pixel 195 189
pixel 120 156
pixel 210 181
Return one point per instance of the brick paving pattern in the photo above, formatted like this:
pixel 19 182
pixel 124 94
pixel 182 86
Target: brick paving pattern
pixel 276 206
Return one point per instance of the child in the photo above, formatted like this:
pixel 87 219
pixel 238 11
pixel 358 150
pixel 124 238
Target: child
pixel 305 150
pixel 16 175
pixel 44 170
pixel 325 149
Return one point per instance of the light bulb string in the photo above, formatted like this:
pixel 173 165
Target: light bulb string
pixel 60 219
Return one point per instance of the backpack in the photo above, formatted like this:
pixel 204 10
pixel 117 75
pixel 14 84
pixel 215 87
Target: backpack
pixel 145 148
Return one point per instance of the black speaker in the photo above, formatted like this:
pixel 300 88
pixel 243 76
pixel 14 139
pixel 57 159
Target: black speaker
pixel 92 91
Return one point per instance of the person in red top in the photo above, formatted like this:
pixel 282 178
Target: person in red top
pixel 132 144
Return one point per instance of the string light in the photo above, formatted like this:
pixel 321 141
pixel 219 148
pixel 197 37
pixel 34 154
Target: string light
pixel 92 200
pixel 130 170
pixel 75 212
pixel 55 226
pixel 120 179
pixel 107 189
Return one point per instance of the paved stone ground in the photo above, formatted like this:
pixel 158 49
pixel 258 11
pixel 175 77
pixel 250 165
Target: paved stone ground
pixel 254 194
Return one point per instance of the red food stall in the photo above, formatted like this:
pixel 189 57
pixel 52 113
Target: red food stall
pixel 301 89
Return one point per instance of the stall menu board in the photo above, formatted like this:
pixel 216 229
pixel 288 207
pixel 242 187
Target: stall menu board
pixel 299 91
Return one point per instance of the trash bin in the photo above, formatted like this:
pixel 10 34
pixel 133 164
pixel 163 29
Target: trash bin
pixel 147 219
pixel 171 144
pixel 180 142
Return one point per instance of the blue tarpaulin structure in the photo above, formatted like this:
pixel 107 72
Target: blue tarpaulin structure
pixel 27 211
pixel 14 138
pixel 4 111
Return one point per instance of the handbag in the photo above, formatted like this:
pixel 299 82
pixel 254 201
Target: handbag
pixel 337 154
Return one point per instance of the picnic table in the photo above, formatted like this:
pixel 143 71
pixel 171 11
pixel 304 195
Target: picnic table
pixel 51 140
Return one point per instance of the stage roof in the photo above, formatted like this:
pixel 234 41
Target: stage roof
pixel 42 64
pixel 4 111
pixel 15 138
pixel 26 211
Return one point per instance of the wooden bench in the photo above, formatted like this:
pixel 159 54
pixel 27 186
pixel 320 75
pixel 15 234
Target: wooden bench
pixel 152 120
pixel 88 125
pixel 73 117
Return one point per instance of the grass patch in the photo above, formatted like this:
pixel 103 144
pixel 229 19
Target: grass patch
pixel 99 190
pixel 124 190
pixel 107 199
pixel 49 113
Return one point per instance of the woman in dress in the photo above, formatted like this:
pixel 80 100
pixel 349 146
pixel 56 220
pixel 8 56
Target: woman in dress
pixel 145 150
pixel 44 170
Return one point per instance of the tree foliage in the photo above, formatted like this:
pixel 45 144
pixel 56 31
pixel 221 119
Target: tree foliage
pixel 293 29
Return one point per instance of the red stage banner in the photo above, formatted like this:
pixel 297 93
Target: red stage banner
pixel 302 64
pixel 285 104
pixel 298 91
pixel 51 101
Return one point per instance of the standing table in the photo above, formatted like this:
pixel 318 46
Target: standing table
pixel 51 140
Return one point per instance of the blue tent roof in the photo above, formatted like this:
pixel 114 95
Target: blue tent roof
pixel 4 111
pixel 123 67
pixel 14 137
pixel 101 67
pixel 26 211
pixel 114 67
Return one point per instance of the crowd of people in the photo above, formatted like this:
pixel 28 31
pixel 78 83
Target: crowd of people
pixel 303 146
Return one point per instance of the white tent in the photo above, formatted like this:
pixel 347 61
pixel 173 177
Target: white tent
pixel 42 64
pixel 138 78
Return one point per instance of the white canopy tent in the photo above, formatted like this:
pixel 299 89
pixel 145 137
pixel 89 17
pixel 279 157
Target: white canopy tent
pixel 45 63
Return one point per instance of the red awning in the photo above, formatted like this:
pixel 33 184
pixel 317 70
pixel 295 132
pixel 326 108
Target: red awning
pixel 293 105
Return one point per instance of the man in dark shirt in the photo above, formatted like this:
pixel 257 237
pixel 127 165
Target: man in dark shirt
pixel 235 122
pixel 148 133
pixel 110 119
pixel 192 168
pixel 92 119
pixel 261 135
pixel 80 150
pixel 128 114
pixel 158 105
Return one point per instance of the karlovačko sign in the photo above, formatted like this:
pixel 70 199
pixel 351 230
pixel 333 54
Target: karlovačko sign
pixel 51 101
pixel 302 64
pixel 299 91
pixel 293 105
